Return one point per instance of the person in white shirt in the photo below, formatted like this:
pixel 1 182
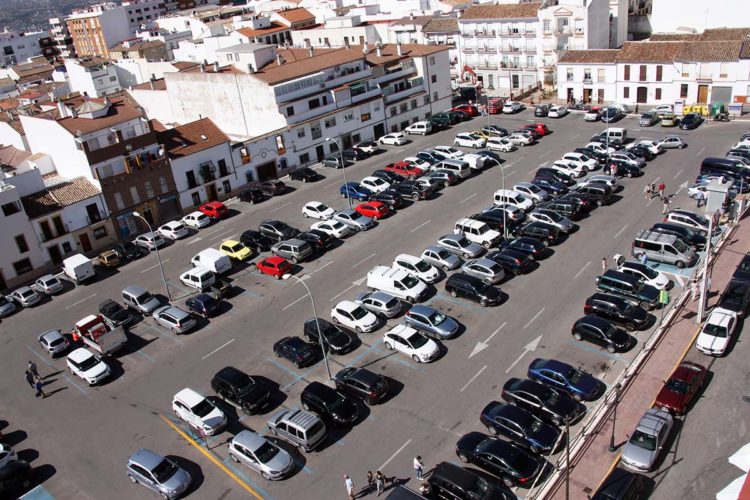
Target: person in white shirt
pixel 418 464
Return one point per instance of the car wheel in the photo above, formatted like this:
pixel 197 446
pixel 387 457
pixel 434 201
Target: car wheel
pixel 463 458
pixel 611 349
pixel 410 300
pixel 577 336
pixel 164 495
pixel 630 174
pixel 599 203
pixel 305 215
pixel 682 146
pixel 416 358
pixel 486 244
pixel 389 346
pixel 466 256
pixel 454 294
pixel 306 406
pixel 446 184
pixel 294 260
pixel 680 264
pixel 508 482
pixel 343 195
pixel 492 430
pixel 415 197
pixel 278 354
pixel 446 268
pixel 630 327
pixel 234 458
pixel 577 397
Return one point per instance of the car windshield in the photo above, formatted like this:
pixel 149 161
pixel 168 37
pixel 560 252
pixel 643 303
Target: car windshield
pixel 203 408
pixel 410 281
pixel 164 471
pixel 574 376
pixel 235 248
pixel 714 330
pixel 680 246
pixel 422 266
pixel 417 340
pixel 27 294
pixel 280 226
pixel 610 332
pixel 436 318
pixel 49 282
pixel 88 363
pixel 266 452
pixel 645 441
pixel 359 313
pixel 443 254
pixel 650 273
pixel 679 386
pixel 143 298
pixel 337 225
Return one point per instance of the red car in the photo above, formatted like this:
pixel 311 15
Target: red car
pixel 374 209
pixel 539 128
pixel 274 266
pixel 469 109
pixel 404 169
pixel 214 209
pixel 681 388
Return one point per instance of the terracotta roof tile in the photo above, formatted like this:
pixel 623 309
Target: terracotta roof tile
pixel 745 50
pixel 724 51
pixel 191 138
pixel 158 84
pixel 417 21
pixel 389 52
pixel 184 65
pixel 297 63
pixel 135 45
pixel 673 37
pixel 296 15
pixel 441 25
pixel 725 34
pixel 648 52
pixel 601 56
pixel 37 66
pixel 58 196
pixel 502 11
pixel 12 156
pixel 274 28
pixel 120 110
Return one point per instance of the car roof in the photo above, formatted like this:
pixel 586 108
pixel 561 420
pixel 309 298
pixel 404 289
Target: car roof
pixel 551 364
pixel 146 458
pixel 249 439
pixel 79 355
pixel 274 260
pixel 189 397
pixel 652 421
pixel 51 334
pixel 347 305
pixel 720 317
pixel 594 321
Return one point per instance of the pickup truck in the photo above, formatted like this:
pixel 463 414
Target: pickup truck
pixel 94 332
pixel 404 169
pixel 114 314
pixel 205 280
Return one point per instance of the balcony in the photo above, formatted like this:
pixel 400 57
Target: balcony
pixel 397 71
pixel 487 50
pixel 468 50
pixel 587 81
pixel 467 34
pixel 336 80
pixel 486 34
pixel 529 34
pixel 60 231
pixel 487 66
pixel 320 110
pixel 704 77
pixel 122 147
pixel 402 94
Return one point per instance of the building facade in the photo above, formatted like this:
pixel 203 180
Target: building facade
pixel 62 38
pixel 17 47
pixel 92 76
pixel 97 28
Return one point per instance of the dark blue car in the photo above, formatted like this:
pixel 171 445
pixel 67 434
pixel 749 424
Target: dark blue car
pixel 553 187
pixel 203 305
pixel 520 426
pixel 561 376
pixel 354 190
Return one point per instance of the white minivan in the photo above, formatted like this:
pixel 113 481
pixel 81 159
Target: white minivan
pixel 514 198
pixel 421 128
pixel 212 259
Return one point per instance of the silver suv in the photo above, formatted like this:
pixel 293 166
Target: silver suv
pixel 298 427
pixel 293 250
pixel 648 440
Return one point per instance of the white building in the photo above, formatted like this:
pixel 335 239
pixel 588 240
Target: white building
pixel 17 47
pixel 677 15
pixel 261 30
pixel 62 38
pixel 588 75
pixel 198 29
pixel 171 39
pixel 337 32
pixel 408 29
pixel 94 77
pixel 444 31
pixel 142 12
pixel 204 49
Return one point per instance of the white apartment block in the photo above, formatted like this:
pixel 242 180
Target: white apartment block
pixel 668 16
pixel 142 12
pixel 93 77
pixel 337 32
pixel 17 47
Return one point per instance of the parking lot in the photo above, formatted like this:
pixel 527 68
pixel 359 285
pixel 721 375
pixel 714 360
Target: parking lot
pixel 80 437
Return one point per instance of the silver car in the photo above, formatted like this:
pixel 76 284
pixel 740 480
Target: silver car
pixel 7 307
pixel 25 296
pixel 552 218
pixel 440 257
pixel 381 304
pixel 53 342
pixel 646 444
pixel 158 473
pixel 48 284
pixel 486 270
pixel 354 220
pixel 431 322
pixel 672 142
pixel 174 318
pixel 261 455
pixel 457 244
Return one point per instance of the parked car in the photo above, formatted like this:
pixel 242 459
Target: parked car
pixel 317 239
pixel 84 364
pixel 126 250
pixel 467 140
pixel 333 160
pixel 334 340
pixel 520 139
pixel 203 305
pixel 688 235
pixel 412 343
pixel 369 147
pixel 557 111
pixel 375 184
pixel 25 297
pixel 53 342
pixel 532 247
pixel 256 240
pixel 648 119
pixel 417 266
pixel 485 269
pixel 513 261
pixel 354 155
pixel 354 316
pixel 647 274
pixel 48 284
pixel 235 250
pixel 252 195
pixel 196 220
pixel 692 220
pixel 214 209
pixel 441 257
pixel 395 139
pixel 362 384
pixel 149 241
pixel 381 304
pixel 333 228
pixel 617 310
pixel 520 426
pixel 431 322
pixel 457 244
pixel 621 484
pixel 736 297
pixel 174 230
pixel 672 142
pixel 317 210
pixel 261 455
pixel 198 412
pixel 541 110
pixel 277 230
pixel 390 197
pixel 372 210
pixel 603 333
pixel 544 401
pixel 330 404
pixel 691 121
pixel 235 387
pixel 511 107
pixel 717 332
pixel 681 388
pixel 304 174
pixel 354 219
pixel 648 440
pixel 274 266
pixel 157 473
pixel 114 314
pixel 513 464
pixel 355 190
pixel 273 187
pixel 295 350
pixel 463 285
pixel 561 376
pixel 502 144
pixel 176 319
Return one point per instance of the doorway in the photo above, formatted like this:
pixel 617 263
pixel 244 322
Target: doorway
pixel 211 192
pixel 641 96
pixel 570 97
pixel 378 130
pixel 586 95
pixel 320 152
pixel 54 254
pixel 702 94
pixel 600 96
pixel 3 286
pixel 266 171
pixel 85 243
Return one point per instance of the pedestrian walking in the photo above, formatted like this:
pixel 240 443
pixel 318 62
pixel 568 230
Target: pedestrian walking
pixel 647 191
pixel 418 464
pixel 694 289
pixel 379 482
pixel 30 379
pixel 614 170
pixel 652 187
pixel 701 197
pixel 604 265
pixel 665 209
pixel 38 387
pixel 32 368
pixel 370 481
pixel 643 258
pixel 349 486
pixel 662 188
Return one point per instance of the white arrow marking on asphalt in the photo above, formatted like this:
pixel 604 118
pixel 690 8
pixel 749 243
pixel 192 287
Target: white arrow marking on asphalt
pixel 194 240
pixel 530 347
pixel 481 346
pixel 342 292
pixel 684 185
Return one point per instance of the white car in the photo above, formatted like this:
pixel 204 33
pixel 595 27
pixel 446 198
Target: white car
pixel 569 168
pixel 7 455
pixel 650 144
pixel 149 241
pixel 742 145
pixel 354 316
pixel 586 161
pixel 82 363
pixel 173 230
pixel 48 284
pixel 592 115
pixel 418 162
pixel 417 267
pixel 662 109
pixel 531 191
pixel 333 228
pixel 412 343
pixel 196 220
pixel 395 139
pixel 375 184
pixel 648 275
pixel 475 161
pixel 500 144
pixel 466 140
pixel 557 111
pixel 449 152
pixel 512 107
pixel 317 210
pixel 601 148
pixel 198 411
pixel 520 139
pixel 25 296
pixel 717 332
pixel 53 342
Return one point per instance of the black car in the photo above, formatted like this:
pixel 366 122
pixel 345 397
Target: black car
pixel 508 461
pixel 611 115
pixel 541 231
pixel 463 116
pixel 546 172
pixel 550 185
pixel 543 401
pixel 520 426
pixel 743 153
pixel 114 314
pixel 317 239
pixel 439 122
pixel 453 116
pixel 622 484
pixel 513 261
pixel 335 340
pixel 593 153
pixel 494 218
pixel 362 383
pixel 583 200
pixel 203 305
pixel 610 142
pixel 603 333
pixel 304 174
pixel 642 152
pixel 389 197
pixel 743 269
pixel 354 154
pixel 692 238
pixel 541 110
pixel 273 187
pixel 128 251
pixel 241 390
pixel 295 350
pixel 624 169
pixel 532 247
pixel 597 193
pixel 736 297
pixel 691 121
pixel 617 310
pixel 414 190
pixel 453 482
pixel 489 157
pixel 252 195
pixel 277 230
pixel 471 287
pixel 15 478
pixel 329 404
pixel 566 207
pixel 256 241
pixel 387 176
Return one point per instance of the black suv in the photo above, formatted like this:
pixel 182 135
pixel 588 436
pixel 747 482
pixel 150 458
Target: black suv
pixel 624 169
pixel 114 314
pixel 252 195
pixel 692 238
pixel 354 154
pixel 15 477
pixel 540 231
pixel 471 287
pixel 592 153
pixel 566 208
pixel 413 190
pixel 736 297
pixel 549 184
pixel 542 401
pixel 277 230
pixel 617 310
pixel 389 197
pixel 581 199
pixel 304 174
pixel 513 261
pixel 256 241
pixel 273 187
pixel 390 177
pixel 603 333
pixel 363 384
pixel 601 194
pixel 334 339
pixel 551 173
pixel 317 239
pixel 295 350
pixel 241 390
pixel 624 485
pixel 329 404
pixel 629 287
pixel 494 218
pixel 451 481
pixel 532 247
pixel 127 250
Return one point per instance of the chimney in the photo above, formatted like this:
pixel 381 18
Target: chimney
pixel 398 49
pixel 411 16
pixel 278 59
pixel 62 109
pixel 379 50
pixel 153 76
pixel 364 49
pixel 203 67
pixel 250 69
pixel 216 67
pixel 311 51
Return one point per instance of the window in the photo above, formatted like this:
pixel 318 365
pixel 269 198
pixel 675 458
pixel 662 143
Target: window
pixel 191 182
pixel 426 99
pixel 491 81
pixel 100 232
pixel 313 103
pixel 393 111
pixel 300 133
pixel 149 189
pixel 112 78
pixel 600 75
pixel 349 116
pixel 657 94
pixel 432 60
pixel 21 244
pixel 626 93
pixel 330 122
pixel 223 170
pixel 659 70
pixel 227 187
pixel 683 91
pixel 530 62
pixel 403 107
pixel 587 74
pixel 118 201
pixel 413 104
pixel 22 266
pixel 627 72
pixel 315 131
pixel 290 111
pixel 579 25
pixel 196 196
pixel 11 208
pixel 364 117
pixel 304 158
pixel 66 247
pixel 433 78
pixel 229 57
pixel 569 74
pixel 642 73
pixel 434 96
pixel 547 25
pixel 134 194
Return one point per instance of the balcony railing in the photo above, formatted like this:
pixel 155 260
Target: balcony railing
pixel 487 50
pixel 487 65
pixel 588 80
pixel 486 34
pixel 95 218
pixel 469 50
pixel 121 148
pixel 467 34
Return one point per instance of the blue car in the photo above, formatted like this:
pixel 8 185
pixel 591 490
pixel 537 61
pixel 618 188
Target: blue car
pixel 520 426
pixel 203 305
pixel 354 190
pixel 563 377
pixel 554 188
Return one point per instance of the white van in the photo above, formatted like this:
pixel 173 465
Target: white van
pixel 477 231
pixel 79 268
pixel 199 278
pixel 614 133
pixel 514 198
pixel 212 259
pixel 422 128
pixel 397 282
pixel 459 168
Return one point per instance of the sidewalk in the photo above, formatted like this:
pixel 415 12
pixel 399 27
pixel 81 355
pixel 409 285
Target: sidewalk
pixel 596 461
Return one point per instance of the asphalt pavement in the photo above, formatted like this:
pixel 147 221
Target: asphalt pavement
pixel 80 437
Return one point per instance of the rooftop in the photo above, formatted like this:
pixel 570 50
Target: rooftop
pixel 12 156
pixel 416 21
pixel 723 51
pixel 191 138
pixel 589 56
pixel 120 111
pixel 137 44
pixel 296 15
pixel 441 25
pixel 57 196
pixel 159 84
pixel 275 27
pixel 502 11
pixel 37 66
pixel 645 52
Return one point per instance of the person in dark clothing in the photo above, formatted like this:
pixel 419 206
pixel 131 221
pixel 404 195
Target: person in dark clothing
pixel 39 391
pixel 30 379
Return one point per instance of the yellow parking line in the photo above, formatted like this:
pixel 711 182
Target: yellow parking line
pixel 609 471
pixel 212 459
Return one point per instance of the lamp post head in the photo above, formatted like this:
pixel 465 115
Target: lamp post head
pixel 328 139
pixel 136 214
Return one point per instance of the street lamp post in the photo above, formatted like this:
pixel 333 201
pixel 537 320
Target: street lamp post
pixel 567 458
pixel 343 165
pixel 158 258
pixel 505 221
pixel 612 446
pixel 317 323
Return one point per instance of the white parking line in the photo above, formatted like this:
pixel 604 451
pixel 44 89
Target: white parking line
pixel 394 455
pixel 363 260
pixel 467 198
pixel 218 349
pixel 543 154
pixel 532 319
pixel 678 173
pixel 194 240
pixel 216 230
pixel 82 300
pixel 280 207
pixel 321 267
pixel 472 379
pixel 574 137
pixel 699 152
pixel 292 303
pixel 620 232
pixel 342 292
pixel 155 265
pixel 223 234
pixel 421 225
pixel 511 173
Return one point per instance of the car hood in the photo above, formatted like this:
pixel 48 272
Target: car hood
pixel 470 441
pixel 637 456
pixel 257 392
pixel 338 340
pixel 661 281
pixel 97 370
pixel 179 480
pixel 429 349
pixel 711 343
pixel 649 293
pixel 214 419
pixel 546 436
pixel 672 400
pixel 449 326
pixel 281 462
pixel 346 411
